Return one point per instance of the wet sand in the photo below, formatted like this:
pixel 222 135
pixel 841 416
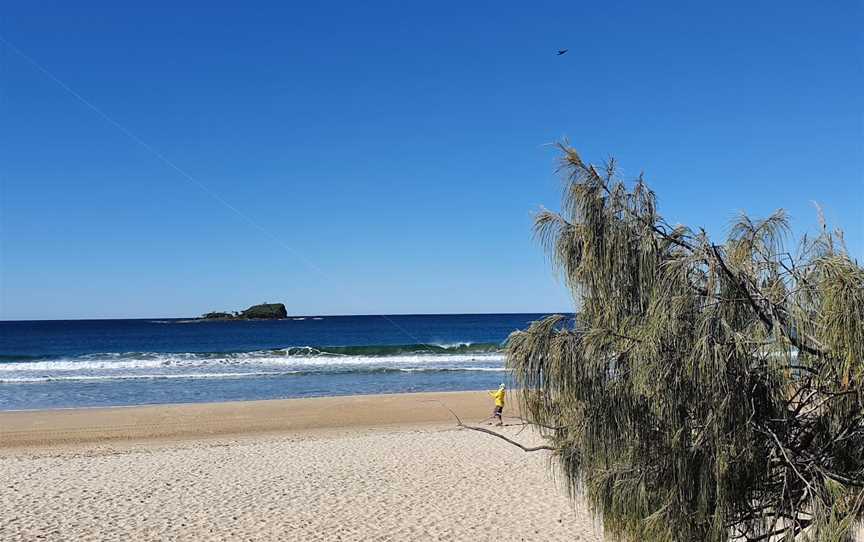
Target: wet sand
pixel 78 427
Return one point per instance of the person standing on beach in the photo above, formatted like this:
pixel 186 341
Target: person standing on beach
pixel 499 404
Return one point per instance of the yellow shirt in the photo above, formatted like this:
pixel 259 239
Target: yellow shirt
pixel 499 397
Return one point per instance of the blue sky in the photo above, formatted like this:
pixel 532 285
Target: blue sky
pixel 398 148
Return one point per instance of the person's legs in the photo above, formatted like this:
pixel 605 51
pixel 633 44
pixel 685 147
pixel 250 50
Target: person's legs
pixel 498 411
pixel 494 416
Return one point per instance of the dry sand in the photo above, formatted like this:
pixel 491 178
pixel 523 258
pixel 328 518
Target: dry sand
pixel 352 468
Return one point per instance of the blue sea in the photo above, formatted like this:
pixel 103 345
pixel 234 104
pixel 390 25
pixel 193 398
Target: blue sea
pixel 88 363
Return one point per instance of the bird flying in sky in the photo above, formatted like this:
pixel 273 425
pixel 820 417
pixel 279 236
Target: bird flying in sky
pixel 562 51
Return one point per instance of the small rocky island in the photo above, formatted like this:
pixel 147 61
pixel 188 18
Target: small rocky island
pixel 265 311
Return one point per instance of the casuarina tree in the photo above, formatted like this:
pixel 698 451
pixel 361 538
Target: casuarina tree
pixel 703 390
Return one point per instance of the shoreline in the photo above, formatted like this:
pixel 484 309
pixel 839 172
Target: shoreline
pixel 89 426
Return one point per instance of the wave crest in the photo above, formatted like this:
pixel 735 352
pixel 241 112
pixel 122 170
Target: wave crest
pixel 296 360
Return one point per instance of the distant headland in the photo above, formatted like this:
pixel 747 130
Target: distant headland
pixel 265 311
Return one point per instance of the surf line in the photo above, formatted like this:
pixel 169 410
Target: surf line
pixel 184 174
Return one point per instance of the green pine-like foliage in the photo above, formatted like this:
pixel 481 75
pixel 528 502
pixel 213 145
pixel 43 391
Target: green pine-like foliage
pixel 703 392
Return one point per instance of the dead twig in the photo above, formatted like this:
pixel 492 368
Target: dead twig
pixel 493 433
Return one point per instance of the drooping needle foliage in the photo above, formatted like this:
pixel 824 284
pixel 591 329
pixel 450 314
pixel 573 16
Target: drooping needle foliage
pixel 703 391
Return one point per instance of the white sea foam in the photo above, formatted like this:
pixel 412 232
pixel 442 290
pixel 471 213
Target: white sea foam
pixel 151 365
pixel 151 361
pixel 204 376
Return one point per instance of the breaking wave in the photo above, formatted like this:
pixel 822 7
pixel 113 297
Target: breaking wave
pixel 302 360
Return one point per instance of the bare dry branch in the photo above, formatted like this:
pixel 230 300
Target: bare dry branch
pixel 493 433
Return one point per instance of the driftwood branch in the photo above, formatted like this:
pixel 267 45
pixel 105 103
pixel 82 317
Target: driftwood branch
pixel 524 448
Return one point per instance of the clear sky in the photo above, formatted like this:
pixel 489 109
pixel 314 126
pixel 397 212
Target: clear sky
pixel 391 155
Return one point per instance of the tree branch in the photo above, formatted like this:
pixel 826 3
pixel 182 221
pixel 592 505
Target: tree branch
pixel 493 433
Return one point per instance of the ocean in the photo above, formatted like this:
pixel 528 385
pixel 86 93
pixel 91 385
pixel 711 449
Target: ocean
pixel 89 363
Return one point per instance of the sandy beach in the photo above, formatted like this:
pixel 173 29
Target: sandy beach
pixel 386 467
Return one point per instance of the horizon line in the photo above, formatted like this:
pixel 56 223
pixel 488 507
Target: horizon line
pixel 289 317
